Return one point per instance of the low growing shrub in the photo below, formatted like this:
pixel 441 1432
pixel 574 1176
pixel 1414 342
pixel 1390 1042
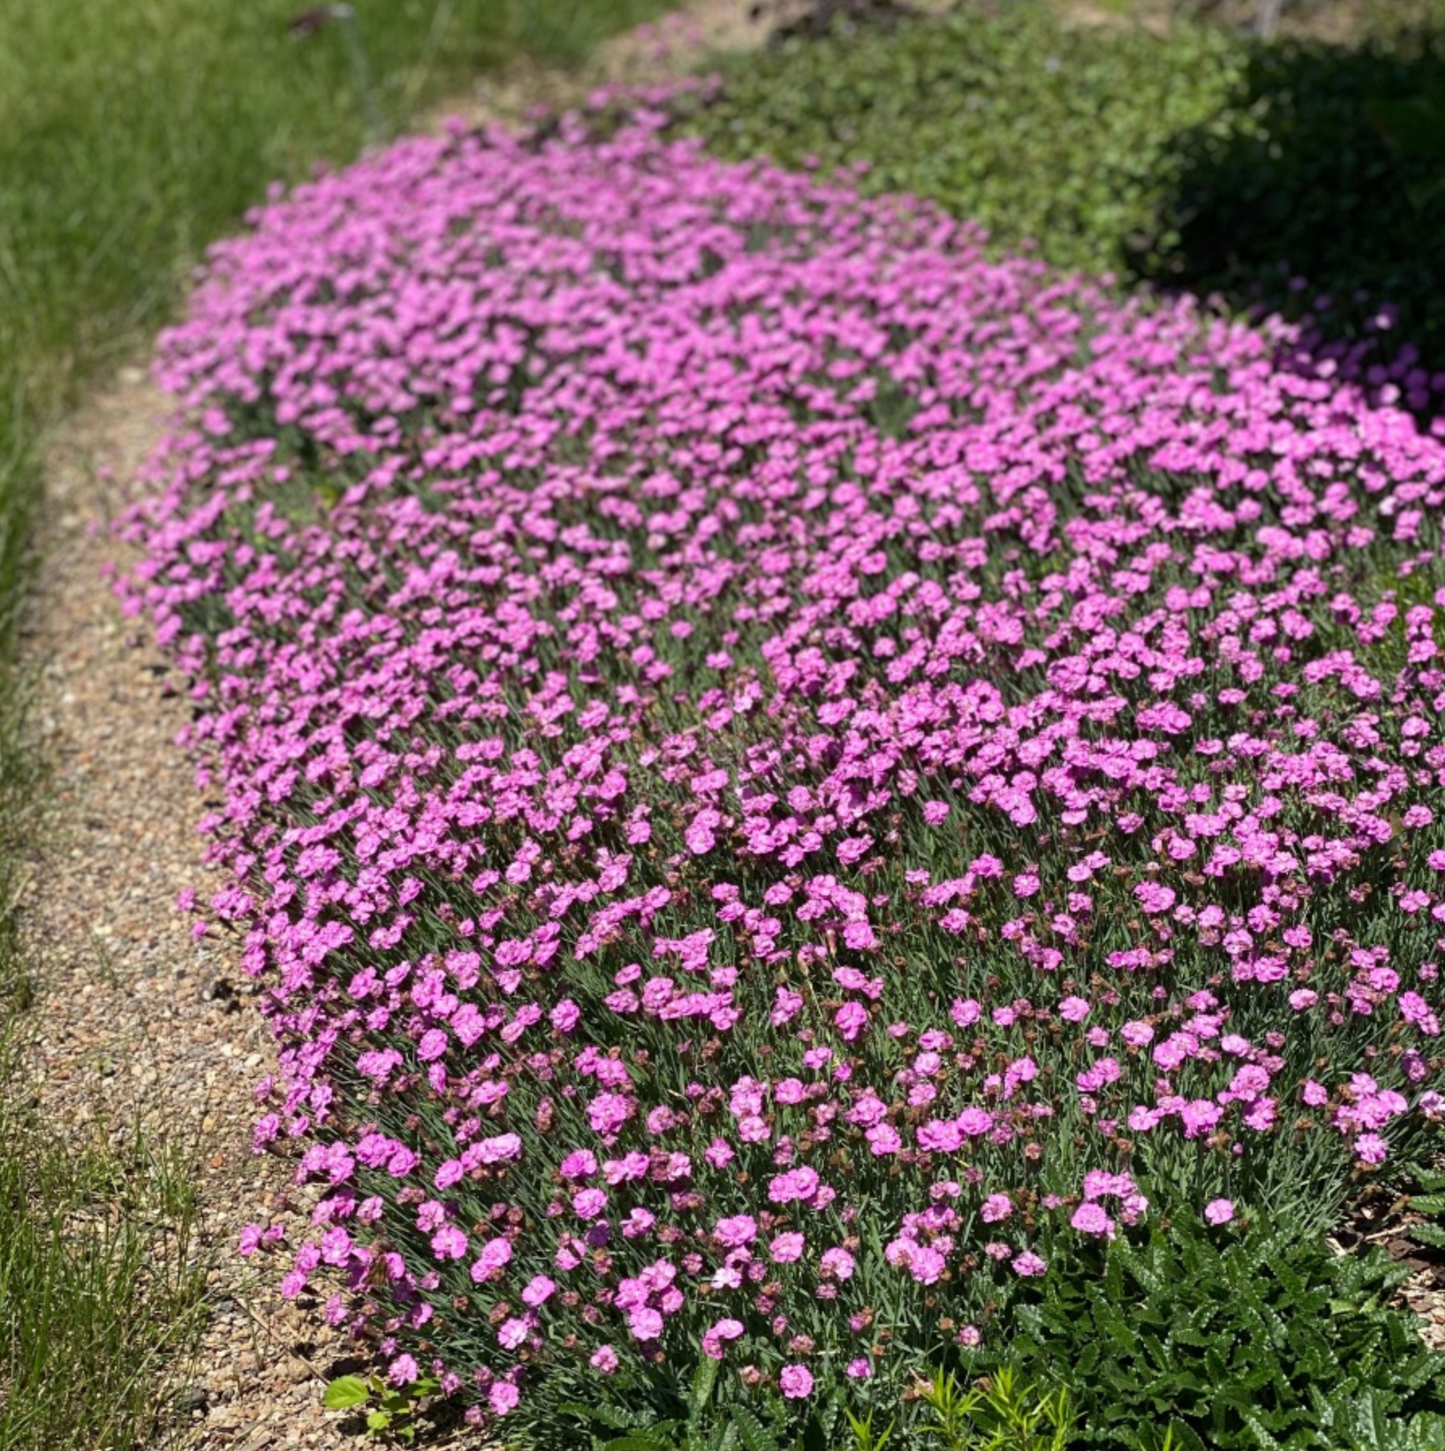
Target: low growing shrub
pixel 1056 136
pixel 1300 175
pixel 1230 1341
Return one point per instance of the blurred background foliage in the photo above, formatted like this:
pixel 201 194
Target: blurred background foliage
pixel 1163 143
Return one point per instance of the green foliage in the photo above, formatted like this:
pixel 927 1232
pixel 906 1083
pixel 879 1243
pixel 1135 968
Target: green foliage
pixel 128 142
pixel 998 113
pixel 1330 162
pixel 1364 1425
pixel 100 1290
pixel 390 1411
pixel 1194 158
pixel 713 1422
pixel 1002 1413
pixel 1430 1201
pixel 1247 1341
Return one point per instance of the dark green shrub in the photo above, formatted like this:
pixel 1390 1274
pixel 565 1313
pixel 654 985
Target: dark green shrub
pixel 1232 1341
pixel 1003 116
pixel 1272 174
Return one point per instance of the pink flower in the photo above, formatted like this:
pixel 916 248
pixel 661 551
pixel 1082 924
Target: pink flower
pixel 717 1335
pixel 630 642
pixel 786 1249
pixel 495 1254
pixel 580 1164
pixel 645 1323
pixel 1371 1149
pixel 1092 1219
pixel 738 1230
pixel 449 1243
pixel 795 1382
pixel 796 1184
pixel 1219 1211
pixel 538 1289
pixel 503 1397
pixel 975 1121
pixel 836 1264
pixel 589 1203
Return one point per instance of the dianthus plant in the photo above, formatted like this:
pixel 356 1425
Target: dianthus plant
pixel 780 776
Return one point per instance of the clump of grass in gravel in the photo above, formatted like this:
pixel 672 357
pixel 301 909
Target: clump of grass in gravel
pixel 129 138
pixel 99 1284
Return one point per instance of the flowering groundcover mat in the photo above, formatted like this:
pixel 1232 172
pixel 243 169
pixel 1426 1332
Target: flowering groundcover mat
pixel 784 780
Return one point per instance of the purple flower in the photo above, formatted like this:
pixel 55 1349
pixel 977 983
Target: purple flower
pixel 737 1230
pixel 629 651
pixel 717 1335
pixel 796 1184
pixel 1092 1219
pixel 1028 1264
pixel 836 1263
pixel 402 1371
pixel 1371 1149
pixel 449 1243
pixel 787 1249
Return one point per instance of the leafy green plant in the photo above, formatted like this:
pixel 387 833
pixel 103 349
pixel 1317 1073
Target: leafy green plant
pixel 1430 1200
pixel 1002 115
pixel 865 1438
pixel 1414 128
pixel 1363 1424
pixel 1255 1340
pixel 1271 173
pixel 389 1410
pixel 1000 1413
pixel 711 1425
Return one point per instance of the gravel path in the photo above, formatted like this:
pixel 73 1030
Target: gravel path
pixel 138 1023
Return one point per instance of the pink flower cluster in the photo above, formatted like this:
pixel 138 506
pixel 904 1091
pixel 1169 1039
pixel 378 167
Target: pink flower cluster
pixel 776 770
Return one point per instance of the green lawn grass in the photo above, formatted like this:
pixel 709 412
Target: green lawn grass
pixel 132 133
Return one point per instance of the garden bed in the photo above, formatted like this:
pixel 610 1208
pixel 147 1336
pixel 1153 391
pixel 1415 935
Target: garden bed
pixel 795 788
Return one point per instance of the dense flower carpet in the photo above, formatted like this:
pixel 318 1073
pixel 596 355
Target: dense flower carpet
pixel 783 778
